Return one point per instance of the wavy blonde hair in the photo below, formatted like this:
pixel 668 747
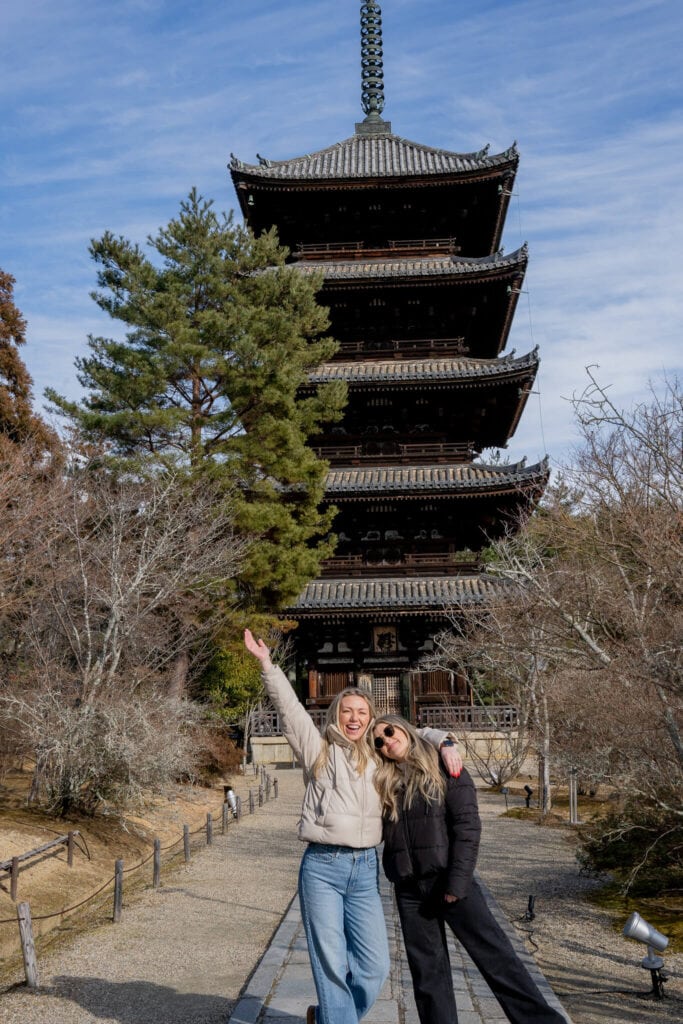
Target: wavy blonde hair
pixel 420 773
pixel 362 750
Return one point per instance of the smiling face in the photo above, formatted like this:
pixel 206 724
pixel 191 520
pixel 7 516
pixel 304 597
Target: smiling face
pixel 395 742
pixel 354 717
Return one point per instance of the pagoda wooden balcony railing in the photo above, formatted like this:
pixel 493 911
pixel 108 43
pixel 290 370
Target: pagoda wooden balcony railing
pixel 402 348
pixel 387 561
pixel 465 718
pixel 267 723
pixel 392 452
pixel 367 250
pixel 468 717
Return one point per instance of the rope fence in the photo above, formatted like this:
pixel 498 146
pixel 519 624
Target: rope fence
pixel 230 810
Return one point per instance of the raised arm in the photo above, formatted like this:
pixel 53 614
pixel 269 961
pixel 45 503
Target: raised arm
pixel 297 725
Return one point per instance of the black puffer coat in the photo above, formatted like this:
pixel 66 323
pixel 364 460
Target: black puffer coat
pixel 436 841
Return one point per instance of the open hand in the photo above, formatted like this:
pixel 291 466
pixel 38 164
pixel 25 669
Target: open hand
pixel 257 648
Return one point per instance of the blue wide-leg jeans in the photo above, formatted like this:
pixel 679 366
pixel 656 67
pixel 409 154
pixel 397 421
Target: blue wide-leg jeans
pixel 344 923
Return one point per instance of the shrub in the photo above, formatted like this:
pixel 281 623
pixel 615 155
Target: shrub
pixel 640 845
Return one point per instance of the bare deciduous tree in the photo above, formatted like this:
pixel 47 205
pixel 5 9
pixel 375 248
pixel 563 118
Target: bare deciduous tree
pixel 108 752
pixel 484 642
pixel 120 578
pixel 591 602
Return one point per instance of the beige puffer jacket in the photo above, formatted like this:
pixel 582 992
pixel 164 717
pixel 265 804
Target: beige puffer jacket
pixel 340 807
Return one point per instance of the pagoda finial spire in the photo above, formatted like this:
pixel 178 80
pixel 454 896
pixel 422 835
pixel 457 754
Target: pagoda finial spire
pixel 372 65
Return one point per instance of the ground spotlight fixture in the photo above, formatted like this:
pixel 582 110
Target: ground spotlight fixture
pixel 230 799
pixel 637 928
pixel 530 913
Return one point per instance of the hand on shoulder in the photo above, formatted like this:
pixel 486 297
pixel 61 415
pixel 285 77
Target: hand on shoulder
pixel 451 758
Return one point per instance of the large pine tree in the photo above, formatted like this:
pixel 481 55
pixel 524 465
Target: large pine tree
pixel 220 335
pixel 18 421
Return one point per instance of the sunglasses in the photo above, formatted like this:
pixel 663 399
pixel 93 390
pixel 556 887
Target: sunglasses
pixel 388 731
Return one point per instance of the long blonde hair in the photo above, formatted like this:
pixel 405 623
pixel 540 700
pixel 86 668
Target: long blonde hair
pixel 420 773
pixel 362 750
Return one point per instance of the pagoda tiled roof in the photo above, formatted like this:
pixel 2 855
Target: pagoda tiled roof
pixel 395 594
pixel 423 370
pixel 374 156
pixel 463 478
pixel 427 266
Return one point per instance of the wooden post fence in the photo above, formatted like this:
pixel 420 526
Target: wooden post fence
pixel 24 910
pixel 118 891
pixel 156 874
pixel 14 879
pixel 28 948
pixel 11 866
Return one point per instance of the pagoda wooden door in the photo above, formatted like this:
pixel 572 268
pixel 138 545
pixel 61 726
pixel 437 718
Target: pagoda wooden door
pixel 386 692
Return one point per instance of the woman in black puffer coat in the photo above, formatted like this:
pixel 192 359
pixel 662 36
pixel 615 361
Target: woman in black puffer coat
pixel 431 839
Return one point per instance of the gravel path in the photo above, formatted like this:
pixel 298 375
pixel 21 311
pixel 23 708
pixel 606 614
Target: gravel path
pixel 591 967
pixel 182 954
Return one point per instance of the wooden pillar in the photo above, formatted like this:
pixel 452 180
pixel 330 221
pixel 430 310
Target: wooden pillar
pixel 313 684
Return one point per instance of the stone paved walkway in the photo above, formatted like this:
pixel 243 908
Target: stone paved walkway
pixel 282 986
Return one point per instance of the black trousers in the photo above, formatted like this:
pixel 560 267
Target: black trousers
pixel 424 914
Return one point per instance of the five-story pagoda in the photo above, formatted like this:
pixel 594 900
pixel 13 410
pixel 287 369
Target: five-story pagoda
pixel 421 300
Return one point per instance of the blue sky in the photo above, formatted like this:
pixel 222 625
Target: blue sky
pixel 111 113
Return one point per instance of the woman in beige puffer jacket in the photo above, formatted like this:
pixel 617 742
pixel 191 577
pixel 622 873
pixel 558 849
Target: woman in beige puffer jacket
pixel 342 823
